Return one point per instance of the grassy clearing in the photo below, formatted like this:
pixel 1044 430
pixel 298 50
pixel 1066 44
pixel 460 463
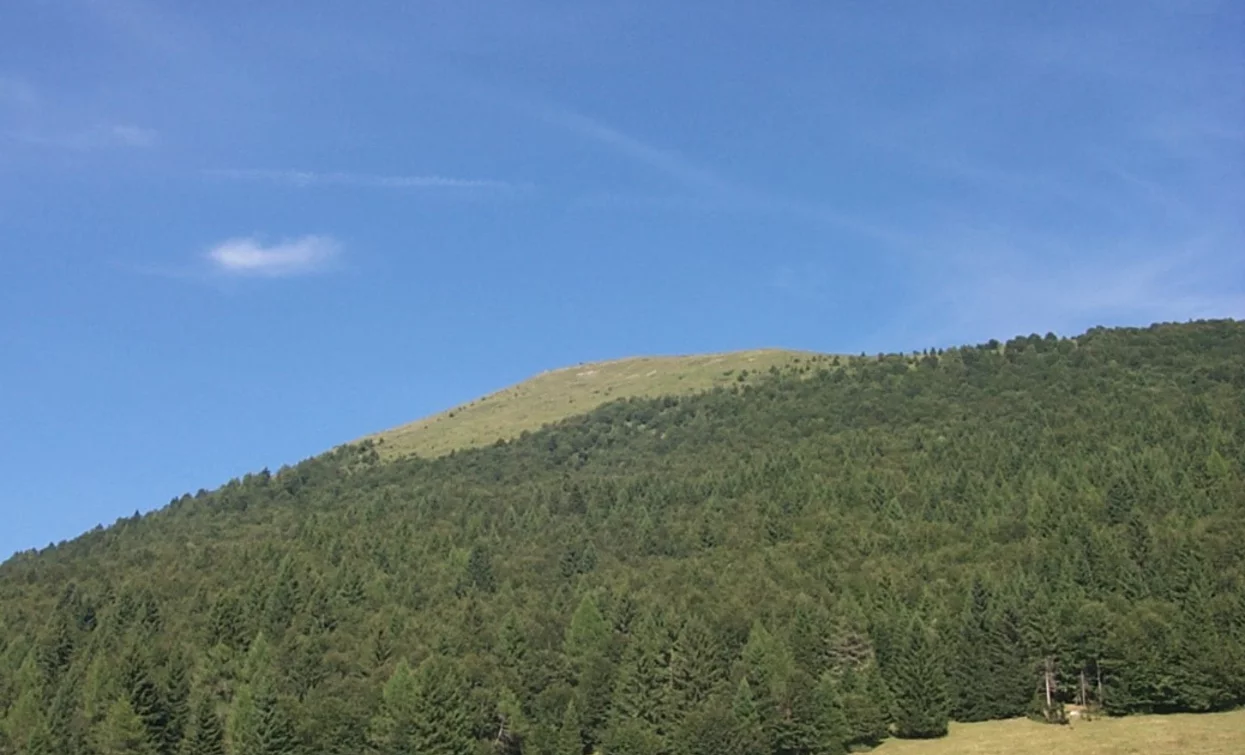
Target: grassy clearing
pixel 1183 734
pixel 563 393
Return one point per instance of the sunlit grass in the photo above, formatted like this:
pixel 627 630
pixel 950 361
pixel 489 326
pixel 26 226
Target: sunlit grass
pixel 1183 734
pixel 563 393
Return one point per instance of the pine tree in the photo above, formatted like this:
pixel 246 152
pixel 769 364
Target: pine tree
pixel 570 740
pixel 766 667
pixel 480 570
pixel 748 723
pixel 274 732
pixel 865 704
pixel 440 722
pixel 206 737
pixel 709 729
pixel 918 681
pixel 146 699
pixel 587 647
pixel 696 669
pixel 631 737
pixel 123 732
pixel 810 637
pixel 588 635
pixel 973 678
pixel 258 723
pixel 829 729
pixel 392 728
pixel 177 704
pixel 641 695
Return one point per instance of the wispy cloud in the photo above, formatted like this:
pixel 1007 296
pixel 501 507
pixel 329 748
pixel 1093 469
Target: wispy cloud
pixel 249 256
pixel 103 136
pixel 307 179
pixel 708 188
pixel 667 161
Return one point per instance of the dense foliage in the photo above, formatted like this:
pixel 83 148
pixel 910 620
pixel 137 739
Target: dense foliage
pixel 820 560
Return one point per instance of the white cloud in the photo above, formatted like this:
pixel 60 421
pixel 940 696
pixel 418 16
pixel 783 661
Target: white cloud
pixel 304 179
pixel 251 257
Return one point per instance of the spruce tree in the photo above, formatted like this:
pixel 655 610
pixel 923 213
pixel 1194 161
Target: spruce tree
pixel 830 732
pixel 748 722
pixel 973 678
pixel 587 648
pixel 440 721
pixel 177 704
pixel 696 668
pixel 392 728
pixel 922 701
pixel 709 729
pixel 123 732
pixel 570 739
pixel 865 702
pixel 642 691
pixel 147 700
pixel 206 737
pixel 259 724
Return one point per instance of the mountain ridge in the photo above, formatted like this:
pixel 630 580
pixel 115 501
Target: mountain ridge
pixel 562 392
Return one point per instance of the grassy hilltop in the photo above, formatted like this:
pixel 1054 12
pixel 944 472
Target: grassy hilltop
pixel 558 394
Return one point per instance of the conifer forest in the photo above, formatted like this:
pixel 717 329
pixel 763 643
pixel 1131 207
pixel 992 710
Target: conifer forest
pixel 847 550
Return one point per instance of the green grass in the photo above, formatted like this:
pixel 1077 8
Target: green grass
pixel 1182 734
pixel 556 395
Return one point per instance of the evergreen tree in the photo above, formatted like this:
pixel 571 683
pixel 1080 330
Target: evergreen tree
pixel 392 729
pixel 918 680
pixel 865 702
pixel 973 672
pixel 439 719
pixel 259 724
pixel 570 740
pixel 480 570
pixel 177 704
pixel 642 692
pixel 147 701
pixel 123 732
pixel 587 647
pixel 749 731
pixel 830 732
pixel 206 737
pixel 696 669
pixel 711 729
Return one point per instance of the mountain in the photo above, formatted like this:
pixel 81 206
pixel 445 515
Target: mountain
pixel 829 555
pixel 558 394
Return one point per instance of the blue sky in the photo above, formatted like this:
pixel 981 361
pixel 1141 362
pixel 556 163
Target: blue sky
pixel 234 234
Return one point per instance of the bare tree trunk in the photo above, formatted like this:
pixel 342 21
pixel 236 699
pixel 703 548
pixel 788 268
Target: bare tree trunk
pixel 1049 702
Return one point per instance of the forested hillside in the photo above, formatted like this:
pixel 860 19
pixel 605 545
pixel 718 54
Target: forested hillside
pixel 829 557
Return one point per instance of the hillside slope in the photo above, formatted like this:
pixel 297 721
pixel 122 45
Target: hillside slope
pixel 562 393
pixel 821 559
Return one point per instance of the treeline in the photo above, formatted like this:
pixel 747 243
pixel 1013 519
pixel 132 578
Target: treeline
pixel 836 555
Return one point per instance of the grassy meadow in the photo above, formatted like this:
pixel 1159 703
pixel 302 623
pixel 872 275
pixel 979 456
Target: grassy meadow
pixel 562 393
pixel 1180 734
